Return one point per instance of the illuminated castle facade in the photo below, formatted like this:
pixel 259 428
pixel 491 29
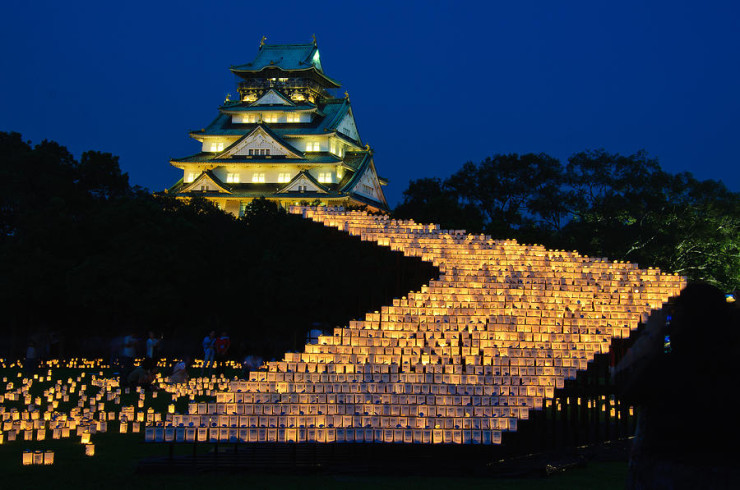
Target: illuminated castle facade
pixel 286 139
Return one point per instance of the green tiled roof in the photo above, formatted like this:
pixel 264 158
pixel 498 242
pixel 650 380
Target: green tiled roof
pixel 354 160
pixel 286 57
pixel 333 113
pixel 349 184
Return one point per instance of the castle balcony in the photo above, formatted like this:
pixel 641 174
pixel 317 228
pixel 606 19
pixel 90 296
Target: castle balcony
pixel 276 83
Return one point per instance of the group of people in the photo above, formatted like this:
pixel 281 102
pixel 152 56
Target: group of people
pixel 215 356
pixel 215 351
pixel 124 351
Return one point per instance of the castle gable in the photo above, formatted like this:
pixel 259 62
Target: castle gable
pixel 261 141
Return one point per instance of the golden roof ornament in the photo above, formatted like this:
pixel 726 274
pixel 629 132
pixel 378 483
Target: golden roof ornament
pixel 346 95
pixel 314 39
pixel 228 98
pixel 262 41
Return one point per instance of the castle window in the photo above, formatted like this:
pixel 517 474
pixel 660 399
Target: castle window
pixel 249 118
pixel 217 146
pixel 190 177
pixel 271 118
pixel 259 151
pixel 284 177
pixel 294 118
pixel 258 178
pixel 325 177
pixel 313 146
pixel 232 178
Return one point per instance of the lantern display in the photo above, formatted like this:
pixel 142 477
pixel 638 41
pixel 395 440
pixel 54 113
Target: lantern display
pixel 457 362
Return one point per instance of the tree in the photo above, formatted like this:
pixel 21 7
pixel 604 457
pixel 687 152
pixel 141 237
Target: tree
pixel 515 194
pixel 429 200
pixel 87 255
pixel 601 204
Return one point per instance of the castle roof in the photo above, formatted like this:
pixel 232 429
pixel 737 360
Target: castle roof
pixel 286 59
pixel 333 113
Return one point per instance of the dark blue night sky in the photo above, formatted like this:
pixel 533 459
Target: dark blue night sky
pixel 433 84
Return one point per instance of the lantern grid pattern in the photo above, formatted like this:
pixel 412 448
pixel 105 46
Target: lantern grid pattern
pixel 460 361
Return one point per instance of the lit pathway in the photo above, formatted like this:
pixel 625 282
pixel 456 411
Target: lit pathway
pixel 459 361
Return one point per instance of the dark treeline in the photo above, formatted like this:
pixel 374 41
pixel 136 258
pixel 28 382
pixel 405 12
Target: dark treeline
pixel 603 205
pixel 84 256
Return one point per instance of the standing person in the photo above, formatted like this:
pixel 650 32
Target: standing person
pixel 222 345
pixel 208 352
pixel 128 352
pixel 32 358
pixel 116 353
pixel 152 345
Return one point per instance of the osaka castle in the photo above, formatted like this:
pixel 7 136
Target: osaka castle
pixel 287 139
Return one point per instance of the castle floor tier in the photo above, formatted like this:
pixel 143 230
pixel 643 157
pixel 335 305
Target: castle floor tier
pixel 286 139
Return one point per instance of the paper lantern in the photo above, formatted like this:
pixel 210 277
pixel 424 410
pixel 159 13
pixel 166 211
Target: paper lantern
pixel 48 457
pixel 38 457
pixel 27 457
pixel 90 449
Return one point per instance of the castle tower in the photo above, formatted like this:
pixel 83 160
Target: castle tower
pixel 287 139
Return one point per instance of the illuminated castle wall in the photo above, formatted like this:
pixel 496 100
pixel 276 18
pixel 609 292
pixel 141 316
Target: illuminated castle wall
pixel 460 361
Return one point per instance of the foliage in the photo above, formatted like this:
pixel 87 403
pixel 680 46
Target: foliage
pixel 430 201
pixel 84 254
pixel 601 204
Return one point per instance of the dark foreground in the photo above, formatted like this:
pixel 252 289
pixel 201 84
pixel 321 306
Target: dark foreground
pixel 125 461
